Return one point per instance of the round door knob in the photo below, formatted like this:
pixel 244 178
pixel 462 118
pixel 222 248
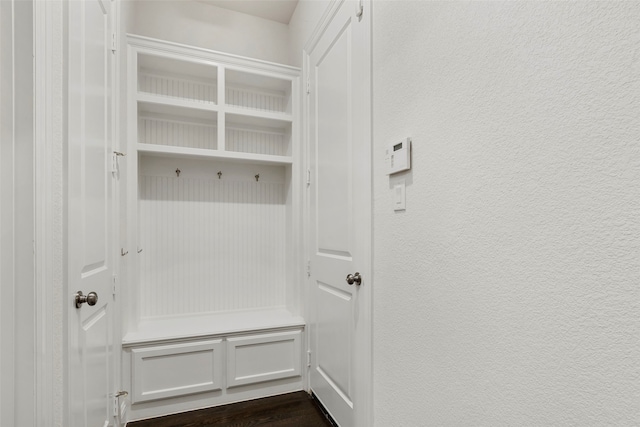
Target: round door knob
pixel 354 278
pixel 91 299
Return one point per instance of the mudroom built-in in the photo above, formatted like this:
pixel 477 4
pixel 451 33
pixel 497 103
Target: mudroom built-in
pixel 214 303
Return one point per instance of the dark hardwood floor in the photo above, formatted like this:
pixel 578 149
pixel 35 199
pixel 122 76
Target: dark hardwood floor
pixel 288 410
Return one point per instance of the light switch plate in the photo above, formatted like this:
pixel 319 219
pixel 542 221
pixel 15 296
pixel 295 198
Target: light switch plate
pixel 399 197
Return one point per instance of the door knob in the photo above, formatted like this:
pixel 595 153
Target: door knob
pixel 91 299
pixel 354 278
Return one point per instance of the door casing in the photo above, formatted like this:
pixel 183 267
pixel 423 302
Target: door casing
pixel 364 401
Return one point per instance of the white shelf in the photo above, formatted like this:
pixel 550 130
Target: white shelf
pixel 185 152
pixel 212 324
pixel 172 103
pixel 257 117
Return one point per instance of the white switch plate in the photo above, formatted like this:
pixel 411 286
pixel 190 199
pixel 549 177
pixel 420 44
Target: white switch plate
pixel 399 197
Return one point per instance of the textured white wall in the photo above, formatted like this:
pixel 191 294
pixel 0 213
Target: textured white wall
pixel 508 292
pixel 203 25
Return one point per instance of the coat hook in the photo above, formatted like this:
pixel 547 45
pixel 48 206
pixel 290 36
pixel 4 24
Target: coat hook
pixel 257 177
pixel 139 250
pixel 123 252
pixel 178 172
pixel 219 174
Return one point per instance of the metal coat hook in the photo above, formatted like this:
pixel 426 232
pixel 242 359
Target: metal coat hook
pixel 178 172
pixel 257 177
pixel 219 174
pixel 123 252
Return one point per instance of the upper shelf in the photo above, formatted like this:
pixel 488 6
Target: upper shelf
pixel 152 103
pixel 194 102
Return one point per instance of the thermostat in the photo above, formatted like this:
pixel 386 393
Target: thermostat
pixel 398 156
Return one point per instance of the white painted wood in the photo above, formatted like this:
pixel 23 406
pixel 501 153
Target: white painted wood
pixel 267 362
pixel 177 133
pixel 225 238
pixel 49 208
pixel 7 292
pixel 213 253
pixel 211 324
pixel 173 370
pixel 156 408
pixel 210 244
pixel 258 141
pixel 266 357
pixel 183 52
pixel 181 107
pixel 340 208
pixel 198 153
pixel 18 328
pixel 90 253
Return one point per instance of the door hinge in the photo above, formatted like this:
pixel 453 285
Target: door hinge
pixel 308 177
pixel 113 42
pixel 308 268
pixel 115 284
pixel 117 412
pixel 114 161
pixel 308 358
pixel 308 86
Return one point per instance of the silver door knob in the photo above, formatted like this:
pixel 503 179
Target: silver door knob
pixel 91 299
pixel 354 278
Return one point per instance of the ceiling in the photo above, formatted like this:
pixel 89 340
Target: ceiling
pixel 274 10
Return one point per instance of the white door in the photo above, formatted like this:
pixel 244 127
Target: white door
pixel 339 114
pixel 90 231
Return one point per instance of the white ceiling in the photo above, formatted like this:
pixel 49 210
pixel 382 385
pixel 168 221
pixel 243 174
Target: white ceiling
pixel 274 10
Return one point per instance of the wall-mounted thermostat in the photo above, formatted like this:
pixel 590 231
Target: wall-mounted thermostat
pixel 398 156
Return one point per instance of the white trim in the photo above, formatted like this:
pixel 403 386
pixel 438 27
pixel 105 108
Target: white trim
pixel 7 293
pixel 365 365
pixel 322 25
pixel 45 180
pixel 234 62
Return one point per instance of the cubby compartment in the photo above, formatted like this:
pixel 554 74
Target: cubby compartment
pixel 257 92
pixel 170 125
pixel 179 79
pixel 257 135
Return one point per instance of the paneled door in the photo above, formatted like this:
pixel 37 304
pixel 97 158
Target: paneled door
pixel 89 229
pixel 339 120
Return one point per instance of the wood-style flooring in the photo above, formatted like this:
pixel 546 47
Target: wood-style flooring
pixel 288 410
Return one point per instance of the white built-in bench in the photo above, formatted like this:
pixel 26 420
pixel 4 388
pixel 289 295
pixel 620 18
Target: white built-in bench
pixel 184 363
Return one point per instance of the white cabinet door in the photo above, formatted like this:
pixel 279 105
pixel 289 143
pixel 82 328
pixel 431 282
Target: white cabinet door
pixel 340 216
pixel 89 227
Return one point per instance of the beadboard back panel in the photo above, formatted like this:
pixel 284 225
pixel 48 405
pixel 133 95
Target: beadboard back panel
pixel 177 87
pixel 256 141
pixel 253 98
pixel 210 243
pixel 168 131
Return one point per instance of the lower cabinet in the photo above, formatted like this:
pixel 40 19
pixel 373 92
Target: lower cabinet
pixel 186 374
pixel 267 357
pixel 164 371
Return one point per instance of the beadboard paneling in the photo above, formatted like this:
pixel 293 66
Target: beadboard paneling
pixel 210 244
pixel 176 87
pixel 161 131
pixel 256 99
pixel 256 141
